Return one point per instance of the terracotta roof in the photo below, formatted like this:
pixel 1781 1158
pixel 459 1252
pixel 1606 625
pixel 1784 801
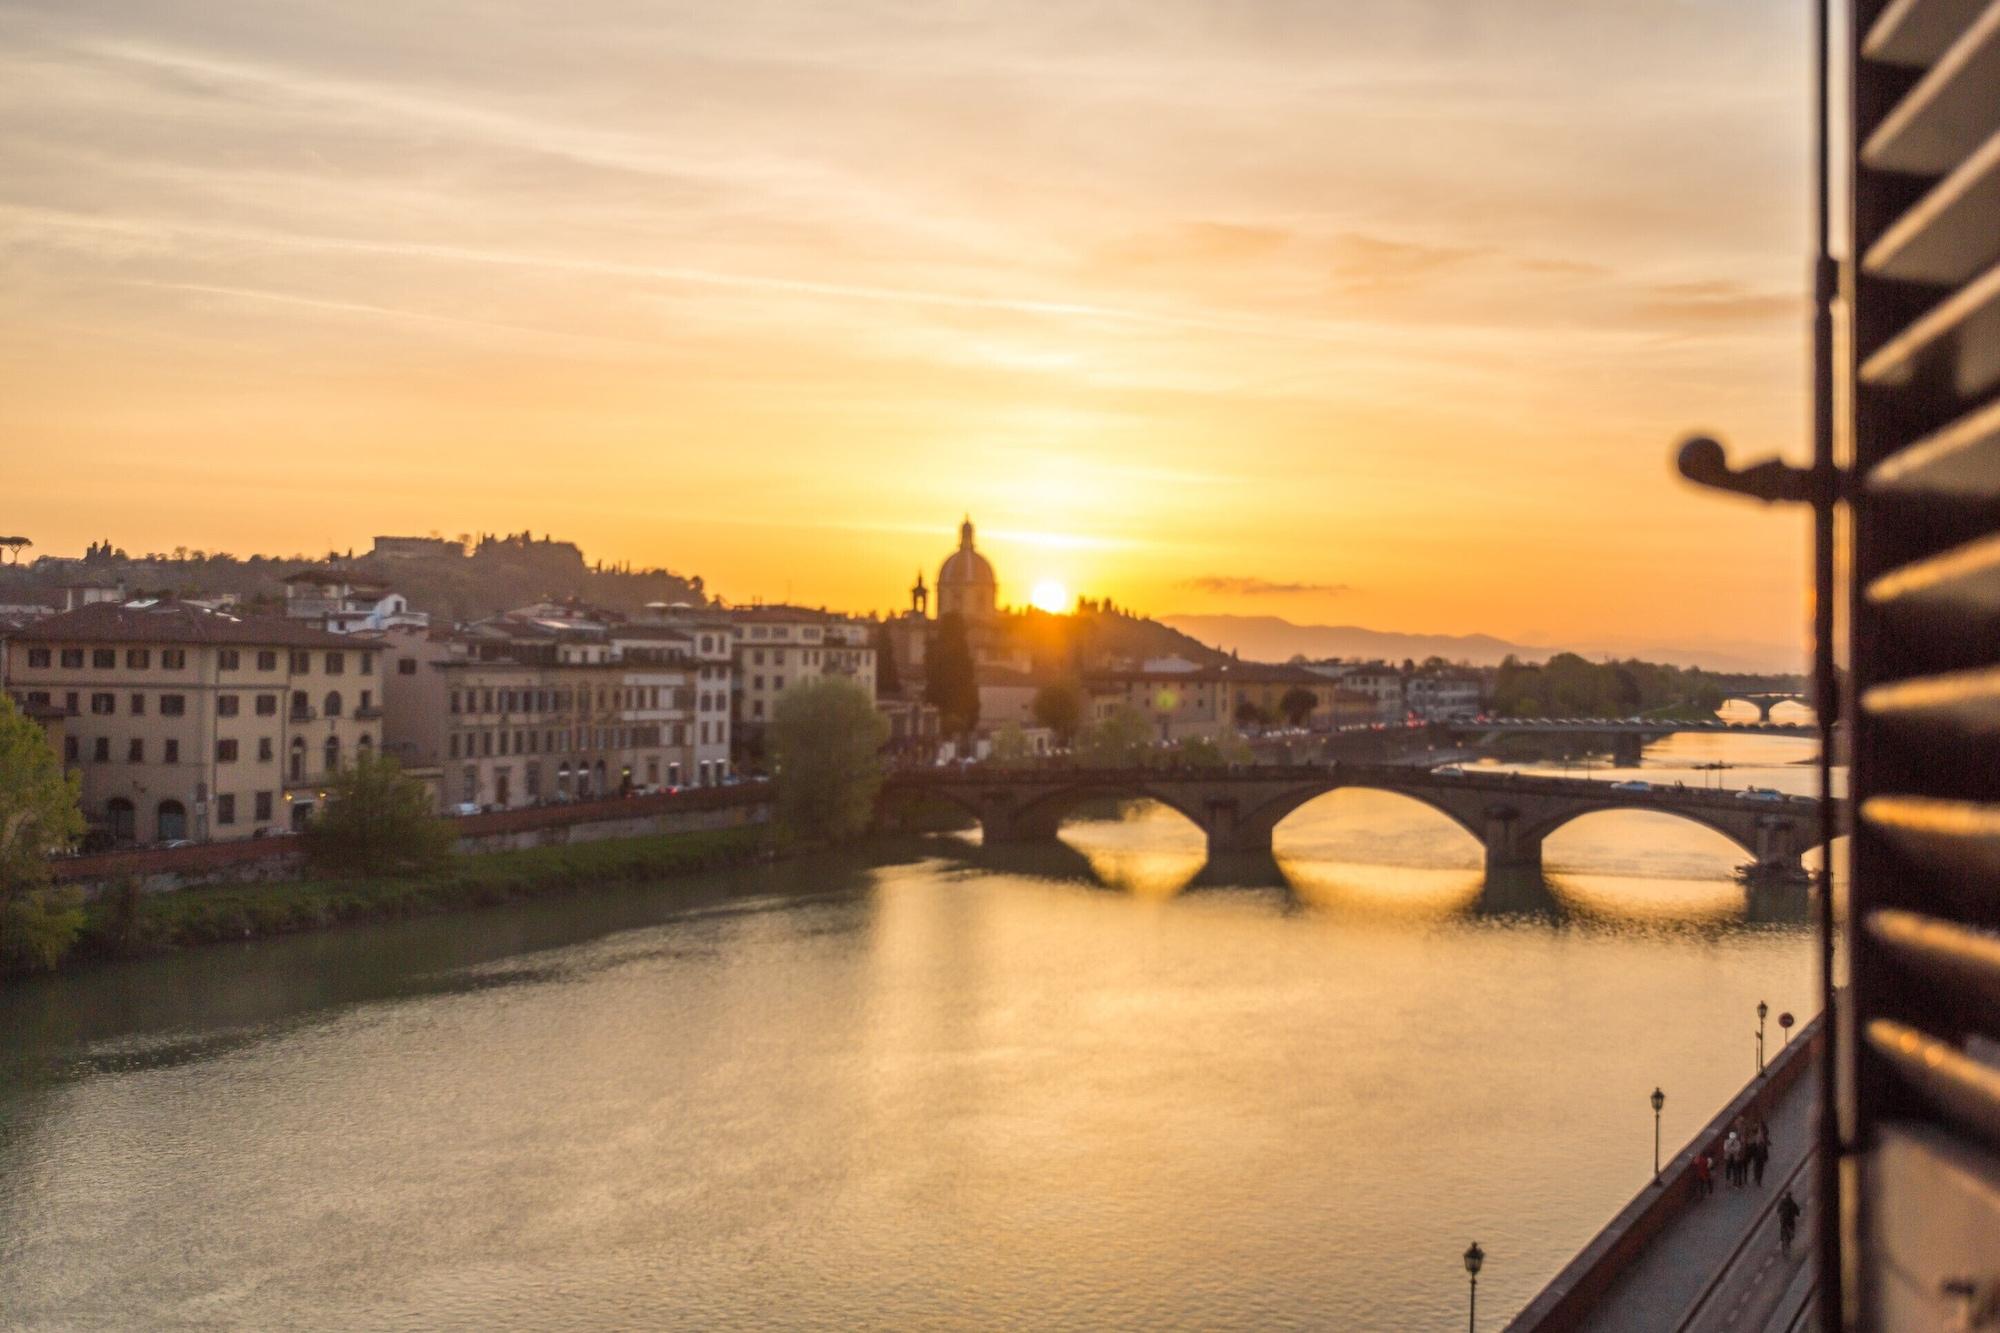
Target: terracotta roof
pixel 173 622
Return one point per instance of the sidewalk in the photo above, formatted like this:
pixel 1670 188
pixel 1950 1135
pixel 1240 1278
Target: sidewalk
pixel 1658 1289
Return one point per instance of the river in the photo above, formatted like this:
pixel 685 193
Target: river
pixel 924 1086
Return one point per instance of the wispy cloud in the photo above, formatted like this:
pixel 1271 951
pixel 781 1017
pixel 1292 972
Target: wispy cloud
pixel 1239 585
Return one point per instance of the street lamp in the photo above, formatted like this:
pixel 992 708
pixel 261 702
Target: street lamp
pixel 1474 1257
pixel 1762 1009
pixel 1659 1100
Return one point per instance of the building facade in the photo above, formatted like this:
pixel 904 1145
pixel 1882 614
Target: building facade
pixel 191 724
pixel 779 648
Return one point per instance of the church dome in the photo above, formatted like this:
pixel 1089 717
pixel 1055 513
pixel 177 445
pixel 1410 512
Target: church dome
pixel 966 582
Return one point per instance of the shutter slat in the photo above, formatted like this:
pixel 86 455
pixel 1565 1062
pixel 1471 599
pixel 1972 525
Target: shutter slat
pixel 1963 330
pixel 1948 235
pixel 1942 951
pixel 1950 111
pixel 1966 580
pixel 1962 1090
pixel 1963 459
pixel 1917 32
pixel 1960 839
pixel 1967 702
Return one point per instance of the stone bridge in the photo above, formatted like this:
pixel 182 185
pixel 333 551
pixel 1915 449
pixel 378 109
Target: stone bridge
pixel 1510 814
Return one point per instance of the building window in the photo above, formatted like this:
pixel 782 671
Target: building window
pixel 451 746
pixel 267 705
pixel 777 682
pixel 100 750
pixel 451 701
pixel 38 657
pixel 367 664
pixel 265 748
pixel 333 704
pixel 70 749
pixel 332 751
pixel 173 659
pixel 173 705
pixel 170 751
pixel 103 705
pixel 225 808
pixel 138 705
pixel 298 768
pixel 135 751
pixel 103 659
pixel 228 659
pixel 301 706
pixel 367 701
pixel 302 664
pixel 336 663
pixel 138 659
pixel 73 658
pixel 225 705
pixel 406 666
pixel 263 802
pixel 267 660
pixel 225 752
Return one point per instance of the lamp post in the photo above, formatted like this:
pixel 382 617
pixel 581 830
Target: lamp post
pixel 1659 1100
pixel 1785 1021
pixel 1474 1257
pixel 1762 1009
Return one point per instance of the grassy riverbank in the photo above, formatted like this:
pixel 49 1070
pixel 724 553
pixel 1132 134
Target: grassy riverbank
pixel 132 924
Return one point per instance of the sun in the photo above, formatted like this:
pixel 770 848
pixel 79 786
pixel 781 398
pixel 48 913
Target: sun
pixel 1049 595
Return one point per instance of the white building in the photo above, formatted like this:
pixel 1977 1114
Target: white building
pixel 342 604
pixel 779 648
pixel 1380 681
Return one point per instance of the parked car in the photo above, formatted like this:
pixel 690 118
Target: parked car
pixel 1632 784
pixel 466 808
pixel 1449 771
pixel 1760 794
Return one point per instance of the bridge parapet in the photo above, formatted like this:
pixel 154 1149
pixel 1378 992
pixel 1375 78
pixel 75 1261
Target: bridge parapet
pixel 1239 808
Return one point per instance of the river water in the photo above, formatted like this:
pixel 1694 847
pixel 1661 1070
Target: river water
pixel 927 1086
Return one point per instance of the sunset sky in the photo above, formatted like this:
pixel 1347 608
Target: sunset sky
pixel 1381 312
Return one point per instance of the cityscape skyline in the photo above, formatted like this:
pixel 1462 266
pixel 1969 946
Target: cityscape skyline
pixel 413 273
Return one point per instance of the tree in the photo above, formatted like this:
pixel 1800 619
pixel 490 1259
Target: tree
pixel 39 814
pixel 377 820
pixel 950 683
pixel 1059 706
pixel 825 740
pixel 1297 705
pixel 1122 740
pixel 888 682
pixel 1010 746
pixel 1250 714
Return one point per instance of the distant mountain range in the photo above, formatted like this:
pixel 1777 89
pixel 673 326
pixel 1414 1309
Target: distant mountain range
pixel 1272 639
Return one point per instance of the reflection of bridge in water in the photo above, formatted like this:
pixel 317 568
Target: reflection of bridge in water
pixel 1237 810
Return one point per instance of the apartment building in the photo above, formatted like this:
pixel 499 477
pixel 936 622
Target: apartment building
pixel 528 707
pixel 1379 681
pixel 344 604
pixel 190 723
pixel 782 647
pixel 1442 693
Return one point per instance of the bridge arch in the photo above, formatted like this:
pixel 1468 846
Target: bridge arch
pixel 1042 816
pixel 1258 825
pixel 1541 830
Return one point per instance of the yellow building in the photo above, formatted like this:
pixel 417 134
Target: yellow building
pixel 187 723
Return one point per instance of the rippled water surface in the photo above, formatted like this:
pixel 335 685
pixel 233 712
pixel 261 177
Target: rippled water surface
pixel 1099 1085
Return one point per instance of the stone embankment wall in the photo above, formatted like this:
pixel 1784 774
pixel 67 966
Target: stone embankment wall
pixel 1566 1303
pixel 268 859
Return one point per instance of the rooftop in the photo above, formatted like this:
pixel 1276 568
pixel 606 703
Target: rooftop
pixel 173 622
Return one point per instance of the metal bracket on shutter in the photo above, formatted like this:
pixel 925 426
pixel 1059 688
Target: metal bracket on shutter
pixel 1703 462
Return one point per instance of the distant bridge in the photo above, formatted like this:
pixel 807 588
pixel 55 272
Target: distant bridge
pixel 1237 809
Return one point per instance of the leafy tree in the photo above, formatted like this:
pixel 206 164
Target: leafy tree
pixel 887 680
pixel 1297 705
pixel 825 740
pixel 1217 751
pixel 1059 706
pixel 1122 740
pixel 38 815
pixel 377 820
pixel 950 684
pixel 1010 746
pixel 1250 713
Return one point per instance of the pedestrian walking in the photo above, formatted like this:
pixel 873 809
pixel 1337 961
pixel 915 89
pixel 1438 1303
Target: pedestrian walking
pixel 1788 1221
pixel 1732 1158
pixel 1760 1151
pixel 1704 1177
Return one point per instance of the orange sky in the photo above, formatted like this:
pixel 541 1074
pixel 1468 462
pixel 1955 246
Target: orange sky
pixel 1383 312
